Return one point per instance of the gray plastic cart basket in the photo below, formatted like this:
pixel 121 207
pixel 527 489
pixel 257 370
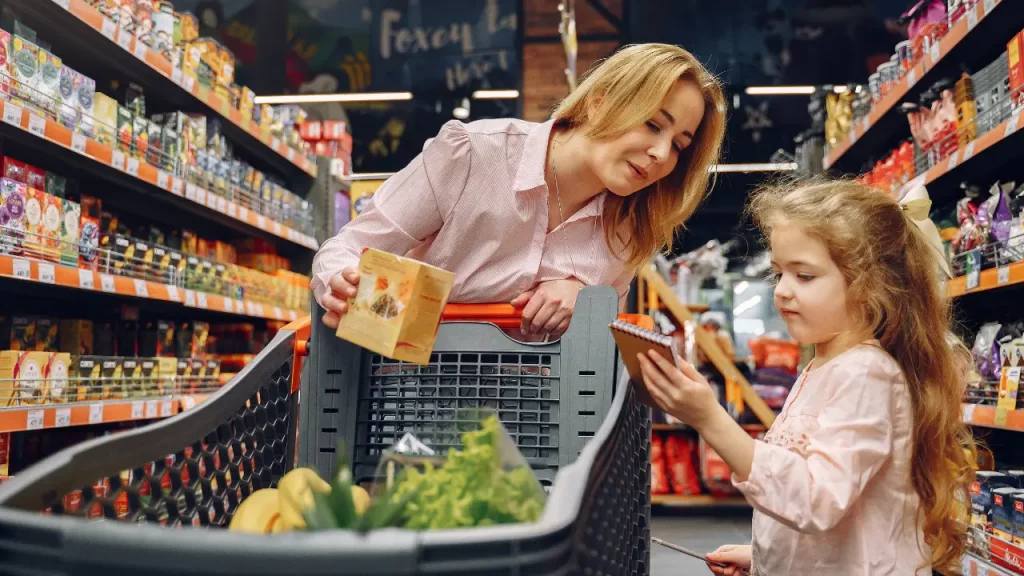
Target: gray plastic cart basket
pixel 194 468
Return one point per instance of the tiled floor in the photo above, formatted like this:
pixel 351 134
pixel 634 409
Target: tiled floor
pixel 700 533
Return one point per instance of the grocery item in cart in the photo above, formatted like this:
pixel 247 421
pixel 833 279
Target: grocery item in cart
pixel 398 306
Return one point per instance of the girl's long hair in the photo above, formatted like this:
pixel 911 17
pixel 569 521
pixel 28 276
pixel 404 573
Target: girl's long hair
pixel 893 284
pixel 623 92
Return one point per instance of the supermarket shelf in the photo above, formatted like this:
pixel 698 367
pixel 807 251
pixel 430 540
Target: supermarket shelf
pixel 970 38
pixel 985 416
pixel 78 279
pixel 975 566
pixel 682 427
pixel 81 30
pixel 699 501
pixel 987 280
pixel 63 415
pixel 32 128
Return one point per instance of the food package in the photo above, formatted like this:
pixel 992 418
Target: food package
pixel 22 381
pixel 12 215
pixel 53 212
pixel 48 86
pixel 982 350
pixel 89 233
pixel 680 456
pixel 659 479
pixel 397 307
pixel 24 67
pixel 5 67
pixel 105 115
pixel 56 373
pixel 715 472
pixel 34 232
pixel 85 99
pixel 69 232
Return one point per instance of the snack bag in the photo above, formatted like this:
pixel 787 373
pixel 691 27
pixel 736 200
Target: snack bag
pixel 659 479
pixel 680 455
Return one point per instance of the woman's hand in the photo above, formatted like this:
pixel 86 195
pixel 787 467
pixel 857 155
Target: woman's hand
pixel 737 558
pixel 684 393
pixel 342 287
pixel 547 309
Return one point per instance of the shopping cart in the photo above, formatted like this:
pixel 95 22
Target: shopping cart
pixel 582 429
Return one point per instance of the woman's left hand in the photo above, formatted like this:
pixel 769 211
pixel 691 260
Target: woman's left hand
pixel 684 393
pixel 547 309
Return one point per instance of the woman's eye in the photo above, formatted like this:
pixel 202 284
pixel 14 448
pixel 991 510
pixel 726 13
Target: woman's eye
pixel 677 147
pixel 654 127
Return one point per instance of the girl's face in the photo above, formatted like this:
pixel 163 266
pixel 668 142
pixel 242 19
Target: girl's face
pixel 810 291
pixel 647 153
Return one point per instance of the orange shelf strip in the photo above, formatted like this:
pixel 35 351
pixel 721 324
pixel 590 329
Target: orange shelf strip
pixel 45 416
pixel 91 16
pixel 697 501
pixel 55 132
pixel 978 415
pixel 900 89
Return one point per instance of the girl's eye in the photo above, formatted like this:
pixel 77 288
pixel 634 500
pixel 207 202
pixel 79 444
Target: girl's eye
pixel 805 277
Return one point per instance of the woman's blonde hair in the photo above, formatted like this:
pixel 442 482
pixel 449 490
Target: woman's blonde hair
pixel 892 279
pixel 623 92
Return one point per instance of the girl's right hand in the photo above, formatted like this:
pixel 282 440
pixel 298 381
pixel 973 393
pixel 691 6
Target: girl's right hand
pixel 335 301
pixel 736 556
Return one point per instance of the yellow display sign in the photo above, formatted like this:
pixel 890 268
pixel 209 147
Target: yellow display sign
pixel 360 193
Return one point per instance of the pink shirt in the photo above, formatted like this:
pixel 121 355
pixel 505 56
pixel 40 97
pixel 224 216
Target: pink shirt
pixel 830 483
pixel 474 202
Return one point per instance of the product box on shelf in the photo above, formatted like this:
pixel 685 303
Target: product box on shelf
pixel 69 114
pixel 167 368
pixel 56 375
pixel 140 133
pixel 76 337
pixel 125 130
pixel 23 333
pixel 1015 57
pixel 197 382
pixel 48 87
pixel 183 373
pixel 69 233
pixel 105 114
pixel 5 67
pixel 1018 518
pixel 131 371
pixel 141 266
pixel 149 376
pixel 89 233
pixel 15 170
pixel 24 56
pixel 113 382
pixel 12 215
pixel 981 495
pixel 1002 511
pixel 52 219
pixel 35 177
pixel 47 334
pixel 56 185
pixel 88 370
pixel 5 452
pixel 85 98
pixel 34 201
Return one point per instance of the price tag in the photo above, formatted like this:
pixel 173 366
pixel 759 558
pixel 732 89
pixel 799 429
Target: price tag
pixel 201 300
pixel 972 18
pixel 1011 125
pixel 165 409
pixel 200 196
pixel 259 310
pixel 1003 276
pixel 124 39
pixel 107 283
pixel 36 125
pixel 211 200
pixel 225 108
pixel 275 143
pixel 222 204
pixel 911 77
pixel 34 420
pixel 132 166
pixel 969 151
pixel 138 409
pixel 277 228
pixel 177 186
pixel 291 154
pixel 989 6
pixel 261 222
pixel 277 313
pixel 190 191
pixel 117 159
pixel 46 273
pixel 140 50
pixel 292 315
pixel 189 82
pixel 107 28
pixel 95 413
pixel 933 52
pixel 62 3
pixel 952 161
pixel 78 142
pixel 173 294
pixel 229 305
pixel 22 269
pixel 86 280
pixel 190 298
pixel 152 410
pixel 163 179
pixel 243 213
pixel 176 75
pixel 12 114
pixel 239 307
pixel 141 290
pixel 969 412
pixel 232 210
pixel 63 419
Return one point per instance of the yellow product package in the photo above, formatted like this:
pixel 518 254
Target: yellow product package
pixel 397 308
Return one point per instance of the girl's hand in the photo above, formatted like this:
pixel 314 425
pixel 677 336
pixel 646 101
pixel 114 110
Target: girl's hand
pixel 684 394
pixel 342 287
pixel 547 309
pixel 737 558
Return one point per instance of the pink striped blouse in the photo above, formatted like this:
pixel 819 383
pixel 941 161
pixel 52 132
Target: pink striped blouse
pixel 474 202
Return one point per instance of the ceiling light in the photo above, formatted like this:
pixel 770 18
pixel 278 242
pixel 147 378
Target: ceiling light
pixel 496 94
pixel 840 89
pixel 323 98
pixel 741 287
pixel 780 90
pixel 462 110
pixel 746 305
pixel 755 167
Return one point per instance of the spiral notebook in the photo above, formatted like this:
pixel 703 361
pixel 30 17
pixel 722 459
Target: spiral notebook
pixel 632 340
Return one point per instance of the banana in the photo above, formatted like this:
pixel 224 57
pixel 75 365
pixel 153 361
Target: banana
pixel 258 513
pixel 296 496
pixel 361 499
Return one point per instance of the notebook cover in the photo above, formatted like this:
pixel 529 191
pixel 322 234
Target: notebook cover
pixel 633 340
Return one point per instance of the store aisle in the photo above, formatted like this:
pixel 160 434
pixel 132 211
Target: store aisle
pixel 699 533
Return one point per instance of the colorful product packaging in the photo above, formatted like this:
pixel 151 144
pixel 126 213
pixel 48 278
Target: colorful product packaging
pixel 1018 518
pixel 113 387
pixel 1002 512
pixel 125 127
pixel 24 66
pixel 69 232
pixel 52 223
pixel 57 371
pixel 76 337
pixel 48 87
pixel 12 215
pixel 21 378
pixel 5 68
pixel 34 233
pixel 56 185
pixel 89 233
pixel 85 96
pixel 981 495
pixel 1015 58
pixel 105 114
pixel 90 387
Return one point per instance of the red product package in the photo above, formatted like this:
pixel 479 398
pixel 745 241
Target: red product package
pixel 715 472
pixel 680 454
pixel 659 479
pixel 769 353
pixel 35 178
pixel 15 170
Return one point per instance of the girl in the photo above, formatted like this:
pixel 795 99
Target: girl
pixel 864 471
pixel 530 213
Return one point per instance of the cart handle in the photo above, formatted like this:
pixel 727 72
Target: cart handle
pixel 502 315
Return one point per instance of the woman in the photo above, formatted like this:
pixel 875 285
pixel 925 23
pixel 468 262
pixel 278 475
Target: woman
pixel 530 213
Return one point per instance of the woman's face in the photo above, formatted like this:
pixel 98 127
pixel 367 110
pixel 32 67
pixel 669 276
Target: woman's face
pixel 647 153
